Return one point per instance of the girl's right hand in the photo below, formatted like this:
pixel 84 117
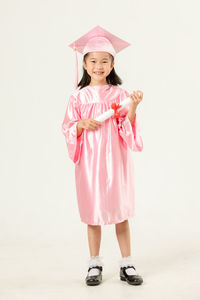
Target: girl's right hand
pixel 89 124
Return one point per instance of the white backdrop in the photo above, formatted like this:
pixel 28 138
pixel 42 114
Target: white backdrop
pixel 38 196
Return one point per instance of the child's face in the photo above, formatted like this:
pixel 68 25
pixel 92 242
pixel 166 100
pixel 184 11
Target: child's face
pixel 98 66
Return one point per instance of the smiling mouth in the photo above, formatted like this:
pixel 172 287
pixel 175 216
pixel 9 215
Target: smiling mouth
pixel 98 73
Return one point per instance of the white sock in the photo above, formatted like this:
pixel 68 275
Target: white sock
pixel 94 261
pixel 128 261
pixel 93 272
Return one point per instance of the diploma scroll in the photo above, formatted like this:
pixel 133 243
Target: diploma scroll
pixel 111 111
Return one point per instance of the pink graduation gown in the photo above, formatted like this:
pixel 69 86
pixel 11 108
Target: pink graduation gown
pixel 103 164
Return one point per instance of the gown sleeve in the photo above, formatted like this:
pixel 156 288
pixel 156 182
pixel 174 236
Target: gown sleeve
pixel 130 133
pixel 69 129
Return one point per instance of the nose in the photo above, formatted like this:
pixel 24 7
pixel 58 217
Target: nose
pixel 99 66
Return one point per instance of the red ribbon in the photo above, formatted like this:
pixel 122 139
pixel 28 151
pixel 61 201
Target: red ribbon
pixel 116 107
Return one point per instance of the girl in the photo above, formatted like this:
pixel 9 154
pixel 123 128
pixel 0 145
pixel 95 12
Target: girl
pixel 101 150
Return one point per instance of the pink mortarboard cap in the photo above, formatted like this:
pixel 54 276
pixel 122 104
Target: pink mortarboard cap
pixel 97 39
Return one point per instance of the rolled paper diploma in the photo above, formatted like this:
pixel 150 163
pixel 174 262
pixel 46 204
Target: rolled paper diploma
pixel 107 114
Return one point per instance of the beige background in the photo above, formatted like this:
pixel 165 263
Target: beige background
pixel 44 246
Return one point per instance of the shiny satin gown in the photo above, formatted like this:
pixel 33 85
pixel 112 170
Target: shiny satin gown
pixel 104 170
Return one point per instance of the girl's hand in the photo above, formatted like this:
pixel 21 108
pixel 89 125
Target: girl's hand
pixel 136 98
pixel 89 124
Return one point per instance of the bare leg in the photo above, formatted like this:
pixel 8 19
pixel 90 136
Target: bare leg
pixel 123 235
pixel 94 239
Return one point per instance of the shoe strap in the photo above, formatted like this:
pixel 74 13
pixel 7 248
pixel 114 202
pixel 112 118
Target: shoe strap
pixel 129 267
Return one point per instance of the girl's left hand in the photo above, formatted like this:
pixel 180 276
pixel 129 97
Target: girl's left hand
pixel 136 98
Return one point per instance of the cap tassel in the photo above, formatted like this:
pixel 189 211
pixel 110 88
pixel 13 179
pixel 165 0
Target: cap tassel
pixel 76 70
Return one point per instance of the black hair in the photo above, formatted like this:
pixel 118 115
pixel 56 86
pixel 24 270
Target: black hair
pixel 112 78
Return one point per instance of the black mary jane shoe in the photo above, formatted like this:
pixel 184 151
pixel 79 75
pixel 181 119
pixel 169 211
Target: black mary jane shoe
pixel 131 279
pixel 94 279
